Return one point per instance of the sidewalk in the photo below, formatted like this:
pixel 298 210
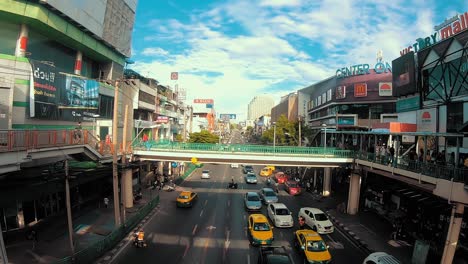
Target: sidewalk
pixel 90 224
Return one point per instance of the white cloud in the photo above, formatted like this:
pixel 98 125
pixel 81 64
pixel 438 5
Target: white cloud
pixel 154 52
pixel 276 47
pixel 280 3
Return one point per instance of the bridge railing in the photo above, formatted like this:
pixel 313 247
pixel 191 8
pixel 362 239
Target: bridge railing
pixel 440 171
pixel 241 148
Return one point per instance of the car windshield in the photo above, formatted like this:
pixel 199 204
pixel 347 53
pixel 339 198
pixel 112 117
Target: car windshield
pixel 316 246
pixel 269 193
pixel 321 217
pixel 206 171
pixel 253 198
pixel 183 196
pixel 261 227
pixel 251 175
pixel 282 211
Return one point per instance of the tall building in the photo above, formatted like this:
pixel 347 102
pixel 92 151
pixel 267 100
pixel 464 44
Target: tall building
pixel 287 107
pixel 259 106
pixel 57 62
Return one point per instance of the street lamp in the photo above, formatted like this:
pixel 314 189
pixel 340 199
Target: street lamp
pixel 300 135
pixel 325 141
pixel 274 137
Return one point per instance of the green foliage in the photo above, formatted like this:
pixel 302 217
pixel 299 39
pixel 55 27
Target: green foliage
pixel 203 137
pixel 286 133
pixel 179 138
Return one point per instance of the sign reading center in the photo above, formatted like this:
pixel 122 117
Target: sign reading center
pixel 361 69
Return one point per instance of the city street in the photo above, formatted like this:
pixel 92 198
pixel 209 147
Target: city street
pixel 215 229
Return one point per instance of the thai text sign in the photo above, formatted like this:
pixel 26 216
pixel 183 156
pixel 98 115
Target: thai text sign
pixel 203 101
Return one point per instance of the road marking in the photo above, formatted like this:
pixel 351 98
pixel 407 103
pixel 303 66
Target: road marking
pixel 194 229
pixel 206 201
pixel 248 258
pixel 229 203
pixel 201 213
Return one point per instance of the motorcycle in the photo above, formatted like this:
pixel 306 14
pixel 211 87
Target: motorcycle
pixel 168 187
pixel 139 243
pixel 232 185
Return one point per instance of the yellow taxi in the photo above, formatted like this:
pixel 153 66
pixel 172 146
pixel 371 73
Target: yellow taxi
pixel 260 230
pixel 267 171
pixel 312 246
pixel 186 199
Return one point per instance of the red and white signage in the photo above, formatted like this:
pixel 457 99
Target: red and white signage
pixel 340 92
pixel 203 101
pixel 360 89
pixel 162 119
pixel 427 120
pixel 385 89
pixel 174 75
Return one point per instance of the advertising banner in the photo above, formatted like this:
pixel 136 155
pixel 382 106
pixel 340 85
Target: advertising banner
pixel 427 120
pixel 403 75
pixel 227 117
pixel 57 96
pixel 340 92
pixel 360 90
pixel 346 120
pixel 203 101
pixel 162 119
pixel 385 89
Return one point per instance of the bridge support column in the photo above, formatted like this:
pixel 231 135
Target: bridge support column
pixel 315 180
pixel 128 186
pixel 453 233
pixel 353 194
pixel 160 167
pixel 326 182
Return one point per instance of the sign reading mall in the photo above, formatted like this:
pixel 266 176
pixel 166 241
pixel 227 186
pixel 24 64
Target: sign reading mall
pixel 445 30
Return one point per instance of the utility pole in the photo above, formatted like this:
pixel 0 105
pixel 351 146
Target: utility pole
pixel 69 217
pixel 300 135
pixel 123 188
pixel 184 131
pixel 115 172
pixel 3 254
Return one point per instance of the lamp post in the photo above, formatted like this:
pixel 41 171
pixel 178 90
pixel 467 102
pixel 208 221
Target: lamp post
pixel 274 137
pixel 325 141
pixel 300 135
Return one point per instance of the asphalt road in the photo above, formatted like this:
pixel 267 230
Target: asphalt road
pixel 215 229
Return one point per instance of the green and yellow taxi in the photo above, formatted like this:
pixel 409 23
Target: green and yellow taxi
pixel 186 199
pixel 314 249
pixel 260 230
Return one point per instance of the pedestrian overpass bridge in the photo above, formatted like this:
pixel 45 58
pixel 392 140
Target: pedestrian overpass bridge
pixel 245 154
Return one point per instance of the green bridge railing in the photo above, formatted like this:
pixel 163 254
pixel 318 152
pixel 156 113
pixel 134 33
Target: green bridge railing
pixel 329 152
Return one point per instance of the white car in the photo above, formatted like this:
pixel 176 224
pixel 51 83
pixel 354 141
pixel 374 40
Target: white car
pixel 205 174
pixel 317 220
pixel 280 215
pixel 235 165
pixel 381 257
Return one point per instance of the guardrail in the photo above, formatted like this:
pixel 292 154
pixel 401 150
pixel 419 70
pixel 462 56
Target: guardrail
pixel 435 170
pixel 230 148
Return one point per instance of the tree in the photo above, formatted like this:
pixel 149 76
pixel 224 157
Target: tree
pixel 203 137
pixel 286 133
pixel 179 138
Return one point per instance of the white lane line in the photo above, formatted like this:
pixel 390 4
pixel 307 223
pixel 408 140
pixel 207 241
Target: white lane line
pixel 206 201
pixel 194 230
pixel 248 258
pixel 201 213
pixel 229 203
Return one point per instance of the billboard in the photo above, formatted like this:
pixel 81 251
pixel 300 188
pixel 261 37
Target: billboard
pixel 227 117
pixel 162 119
pixel 360 89
pixel 203 101
pixel 427 120
pixel 385 89
pixel 340 92
pixel 59 96
pixel 403 75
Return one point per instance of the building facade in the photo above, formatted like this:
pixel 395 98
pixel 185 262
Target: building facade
pixel 260 105
pixel 288 107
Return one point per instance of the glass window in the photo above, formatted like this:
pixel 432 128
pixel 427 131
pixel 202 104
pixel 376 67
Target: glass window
pixel 261 227
pixel 316 246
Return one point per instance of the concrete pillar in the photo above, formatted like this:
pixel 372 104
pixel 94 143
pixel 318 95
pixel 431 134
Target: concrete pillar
pixel 353 194
pixel 160 167
pixel 22 41
pixel 169 168
pixel 453 233
pixel 128 185
pixel 315 179
pixel 326 182
pixel 78 62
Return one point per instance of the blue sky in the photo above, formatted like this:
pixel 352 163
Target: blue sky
pixel 231 51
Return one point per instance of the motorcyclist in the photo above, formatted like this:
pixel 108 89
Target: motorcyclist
pixel 232 184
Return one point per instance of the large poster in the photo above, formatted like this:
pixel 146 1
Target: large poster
pixel 58 96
